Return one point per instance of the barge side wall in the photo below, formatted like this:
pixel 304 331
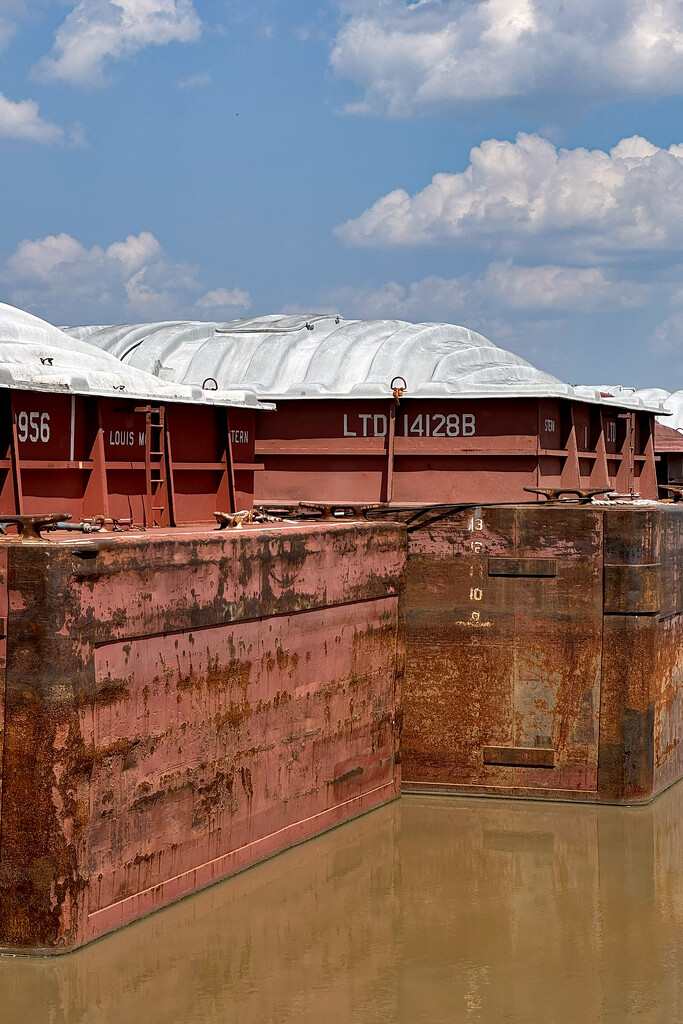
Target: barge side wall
pixel 180 706
pixel 443 450
pixel 641 718
pixel 553 640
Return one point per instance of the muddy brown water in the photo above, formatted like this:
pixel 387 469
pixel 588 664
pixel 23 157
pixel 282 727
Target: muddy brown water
pixel 428 910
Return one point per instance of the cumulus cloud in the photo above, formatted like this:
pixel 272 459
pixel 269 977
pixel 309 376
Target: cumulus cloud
pixel 221 299
pixel 22 121
pixel 576 289
pixel 667 338
pixel 58 278
pixel 527 196
pixel 504 289
pixel 442 54
pixel 136 253
pixel 432 298
pixel 98 31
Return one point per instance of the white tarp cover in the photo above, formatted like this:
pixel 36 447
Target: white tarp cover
pixel 315 356
pixel 35 356
pixel 672 402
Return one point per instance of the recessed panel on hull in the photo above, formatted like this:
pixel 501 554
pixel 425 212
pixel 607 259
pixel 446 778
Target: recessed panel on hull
pixel 504 638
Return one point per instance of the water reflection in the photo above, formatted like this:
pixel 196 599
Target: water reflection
pixel 428 910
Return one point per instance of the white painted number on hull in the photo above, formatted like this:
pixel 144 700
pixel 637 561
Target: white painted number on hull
pixel 33 427
pixel 438 425
pixel 423 425
pixel 476 523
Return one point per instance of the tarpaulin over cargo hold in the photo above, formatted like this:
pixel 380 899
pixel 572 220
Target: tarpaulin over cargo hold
pixel 36 356
pixel 673 405
pixel 329 357
pixel 672 402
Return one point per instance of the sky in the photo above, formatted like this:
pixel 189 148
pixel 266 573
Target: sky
pixel 514 166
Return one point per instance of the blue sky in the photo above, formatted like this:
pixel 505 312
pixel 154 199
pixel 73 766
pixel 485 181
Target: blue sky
pixel 515 166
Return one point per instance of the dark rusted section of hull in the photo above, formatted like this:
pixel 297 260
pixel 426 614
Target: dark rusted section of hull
pixel 545 653
pixel 504 661
pixel 642 704
pixel 181 705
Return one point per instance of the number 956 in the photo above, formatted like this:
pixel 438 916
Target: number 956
pixel 33 426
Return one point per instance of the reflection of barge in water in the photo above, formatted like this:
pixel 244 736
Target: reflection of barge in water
pixel 176 703
pixel 543 642
pixel 447 898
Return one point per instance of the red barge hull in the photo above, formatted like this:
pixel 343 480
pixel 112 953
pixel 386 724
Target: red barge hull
pixel 177 706
pixel 545 653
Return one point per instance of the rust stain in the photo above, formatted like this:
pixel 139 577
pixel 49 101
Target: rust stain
pixel 112 693
pixel 351 774
pixel 180 713
pixel 234 716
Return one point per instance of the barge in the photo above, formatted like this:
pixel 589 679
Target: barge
pixel 177 701
pixel 388 411
pixel 181 699
pixel 542 618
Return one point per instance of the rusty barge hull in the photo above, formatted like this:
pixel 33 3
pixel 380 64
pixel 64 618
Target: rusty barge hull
pixel 179 705
pixel 543 640
pixel 545 653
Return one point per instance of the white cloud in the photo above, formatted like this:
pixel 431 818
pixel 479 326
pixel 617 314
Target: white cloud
pixel 58 278
pixel 97 31
pixel 38 260
pixel 667 338
pixel 570 289
pixel 432 298
pixel 504 288
pixel 222 299
pixel 443 54
pixel 22 121
pixel 136 252
pixel 526 196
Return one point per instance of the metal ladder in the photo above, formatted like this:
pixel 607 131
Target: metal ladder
pixel 156 468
